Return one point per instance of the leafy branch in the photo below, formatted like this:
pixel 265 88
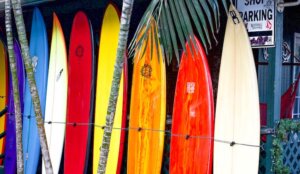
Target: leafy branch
pixel 177 20
pixel 284 127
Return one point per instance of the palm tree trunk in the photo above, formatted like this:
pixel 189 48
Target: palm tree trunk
pixel 12 64
pixel 111 110
pixel 33 89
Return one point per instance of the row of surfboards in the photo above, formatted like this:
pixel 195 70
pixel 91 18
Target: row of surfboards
pixel 73 93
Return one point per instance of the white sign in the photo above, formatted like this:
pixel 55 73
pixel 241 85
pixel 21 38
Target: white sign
pixel 258 16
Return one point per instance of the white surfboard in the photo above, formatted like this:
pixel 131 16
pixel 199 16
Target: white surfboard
pixel 237 125
pixel 56 101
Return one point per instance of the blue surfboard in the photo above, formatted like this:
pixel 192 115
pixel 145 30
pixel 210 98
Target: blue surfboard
pixel 40 60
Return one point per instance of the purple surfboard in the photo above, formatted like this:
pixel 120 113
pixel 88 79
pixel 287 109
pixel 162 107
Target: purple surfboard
pixel 10 160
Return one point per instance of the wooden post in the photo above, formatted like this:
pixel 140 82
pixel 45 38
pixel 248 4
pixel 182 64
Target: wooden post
pixel 274 86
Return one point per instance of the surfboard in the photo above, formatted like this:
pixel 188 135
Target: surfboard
pixel 107 57
pixel 40 61
pixel 124 111
pixel 56 101
pixel 3 97
pixel 80 98
pixel 10 164
pixel 237 125
pixel 147 107
pixel 193 115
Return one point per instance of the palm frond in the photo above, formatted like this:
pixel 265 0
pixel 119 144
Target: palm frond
pixel 169 28
pixel 225 5
pixel 201 16
pixel 144 46
pixel 176 21
pixel 144 22
pixel 186 18
pixel 165 37
pixel 197 24
pixel 215 9
pixel 210 17
pixel 156 41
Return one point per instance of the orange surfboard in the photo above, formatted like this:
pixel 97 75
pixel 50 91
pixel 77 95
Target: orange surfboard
pixel 193 116
pixel 147 108
pixel 3 95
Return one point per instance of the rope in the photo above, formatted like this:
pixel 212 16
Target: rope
pixel 140 129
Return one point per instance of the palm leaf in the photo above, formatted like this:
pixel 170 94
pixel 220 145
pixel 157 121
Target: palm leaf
pixel 174 13
pixel 176 21
pixel 197 23
pixel 202 20
pixel 165 36
pixel 186 18
pixel 170 29
pixel 137 45
pixel 205 7
pixel 210 17
pixel 216 14
pixel 144 23
pixel 216 5
pixel 155 39
pixel 225 5
pixel 142 45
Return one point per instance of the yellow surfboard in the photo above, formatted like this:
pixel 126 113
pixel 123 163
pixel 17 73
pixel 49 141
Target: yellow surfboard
pixel 3 92
pixel 147 108
pixel 107 58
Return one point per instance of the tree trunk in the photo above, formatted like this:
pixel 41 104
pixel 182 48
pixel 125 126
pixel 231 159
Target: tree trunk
pixel 12 64
pixel 16 4
pixel 123 37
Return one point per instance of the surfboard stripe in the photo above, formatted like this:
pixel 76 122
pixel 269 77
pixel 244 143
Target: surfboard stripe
pixel 237 112
pixel 56 101
pixel 39 55
pixel 80 107
pixel 107 58
pixel 147 108
pixel 193 115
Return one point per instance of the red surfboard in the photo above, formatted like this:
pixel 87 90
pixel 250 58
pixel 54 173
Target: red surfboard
pixel 193 116
pixel 125 91
pixel 80 96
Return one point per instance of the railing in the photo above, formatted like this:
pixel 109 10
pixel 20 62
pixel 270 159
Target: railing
pixel 286 148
